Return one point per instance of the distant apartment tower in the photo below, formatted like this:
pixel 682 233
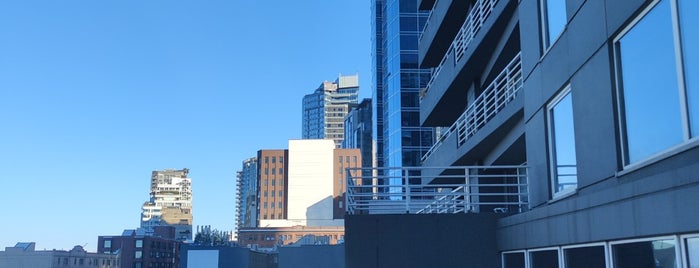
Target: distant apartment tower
pixel 141 250
pixel 325 109
pixel 246 207
pixel 170 203
pixel 358 131
pixel 272 180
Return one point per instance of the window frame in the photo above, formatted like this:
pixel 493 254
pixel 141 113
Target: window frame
pixel 688 142
pixel 605 246
pixel 544 28
pixel 678 247
pixel 524 252
pixel 528 257
pixel 553 171
pixel 684 248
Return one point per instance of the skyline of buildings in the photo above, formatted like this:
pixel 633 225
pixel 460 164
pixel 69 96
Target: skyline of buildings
pixel 170 203
pixel 324 110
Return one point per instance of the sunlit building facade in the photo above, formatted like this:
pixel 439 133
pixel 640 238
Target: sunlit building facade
pixel 324 110
pixel 170 203
pixel 246 184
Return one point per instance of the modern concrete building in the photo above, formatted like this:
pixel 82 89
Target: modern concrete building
pixel 358 131
pixel 24 255
pixel 324 110
pixel 246 197
pixel 592 100
pixel 284 236
pixel 398 80
pixel 170 203
pixel 140 250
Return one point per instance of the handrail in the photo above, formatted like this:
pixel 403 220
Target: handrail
pixel 468 189
pixel 475 19
pixel 501 91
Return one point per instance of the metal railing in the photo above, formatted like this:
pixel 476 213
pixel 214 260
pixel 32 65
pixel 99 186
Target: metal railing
pixel 462 189
pixel 429 18
pixel 501 91
pixel 475 19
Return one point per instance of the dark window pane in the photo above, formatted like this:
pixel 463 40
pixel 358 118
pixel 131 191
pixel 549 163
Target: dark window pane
pixel 651 100
pixel 408 61
pixel 690 45
pixel 513 260
pixel 408 24
pixel 408 42
pixel 587 257
pixel 408 6
pixel 544 259
pixel 648 254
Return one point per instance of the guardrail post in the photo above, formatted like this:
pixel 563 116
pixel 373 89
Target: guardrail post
pixel 406 189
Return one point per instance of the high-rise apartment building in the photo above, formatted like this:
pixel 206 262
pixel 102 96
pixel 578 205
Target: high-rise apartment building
pixel 272 170
pixel 358 131
pixel 325 109
pixel 571 139
pixel 170 203
pixel 400 139
pixel 246 206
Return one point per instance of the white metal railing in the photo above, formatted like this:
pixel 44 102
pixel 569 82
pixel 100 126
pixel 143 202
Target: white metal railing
pixel 475 19
pixel 429 18
pixel 461 189
pixel 501 91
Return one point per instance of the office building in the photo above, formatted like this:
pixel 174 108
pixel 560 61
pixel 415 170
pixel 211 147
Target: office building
pixel 358 131
pixel 398 80
pixel 272 171
pixel 324 110
pixel 170 203
pixel 246 197
pixel 140 250
pixel 573 126
pixel 25 255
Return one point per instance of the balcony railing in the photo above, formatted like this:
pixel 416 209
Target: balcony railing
pixel 475 19
pixel 429 18
pixel 494 98
pixel 465 189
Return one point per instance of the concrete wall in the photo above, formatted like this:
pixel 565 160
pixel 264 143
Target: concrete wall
pixel 310 178
pixel 423 240
pixel 325 256
pixel 220 256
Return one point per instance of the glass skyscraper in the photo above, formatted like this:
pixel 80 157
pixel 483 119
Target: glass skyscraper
pixel 396 26
pixel 325 109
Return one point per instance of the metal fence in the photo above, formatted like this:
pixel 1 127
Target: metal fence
pixel 462 189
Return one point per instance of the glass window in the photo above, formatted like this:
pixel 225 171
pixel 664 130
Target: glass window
pixel 692 252
pixel 107 243
pixel 690 50
pixel 555 19
pixel 584 257
pixel 562 144
pixel 651 102
pixel 658 253
pixel 138 254
pixel 543 259
pixel 513 260
pixel 139 243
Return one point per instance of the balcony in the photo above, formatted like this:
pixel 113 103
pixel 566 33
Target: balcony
pixel 464 189
pixel 444 22
pixel 487 39
pixel 500 92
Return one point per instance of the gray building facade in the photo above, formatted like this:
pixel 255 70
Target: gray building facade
pixel 324 110
pixel 358 131
pixel 246 205
pixel 597 99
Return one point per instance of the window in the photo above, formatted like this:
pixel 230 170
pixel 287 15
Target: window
pixel 280 193
pixel 280 206
pixel 692 251
pixel 562 144
pixel 543 258
pixel 274 159
pixel 656 253
pixel 585 257
pixel 274 182
pixel 137 265
pixel 281 170
pixel 281 159
pixel 138 254
pixel 274 171
pixel 513 260
pixel 139 243
pixel 664 96
pixel 554 20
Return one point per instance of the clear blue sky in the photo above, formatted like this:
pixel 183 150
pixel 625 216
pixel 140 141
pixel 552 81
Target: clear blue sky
pixel 94 95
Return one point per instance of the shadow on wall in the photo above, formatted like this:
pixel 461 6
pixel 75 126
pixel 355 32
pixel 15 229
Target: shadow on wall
pixel 321 213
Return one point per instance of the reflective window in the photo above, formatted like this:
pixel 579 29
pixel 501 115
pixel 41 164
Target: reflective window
pixel 562 144
pixel 139 243
pixel 692 252
pixel 554 15
pixel 650 95
pixel 543 259
pixel 584 257
pixel 138 254
pixel 658 253
pixel 513 260
pixel 690 50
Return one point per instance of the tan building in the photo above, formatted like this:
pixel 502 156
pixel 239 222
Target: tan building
pixel 277 236
pixel 24 255
pixel 170 203
pixel 342 160
pixel 272 175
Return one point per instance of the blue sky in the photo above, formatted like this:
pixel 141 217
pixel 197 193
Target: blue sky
pixel 94 95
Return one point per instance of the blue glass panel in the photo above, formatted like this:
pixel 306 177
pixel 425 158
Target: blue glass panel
pixel 564 145
pixel 555 19
pixel 650 90
pixel 690 45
